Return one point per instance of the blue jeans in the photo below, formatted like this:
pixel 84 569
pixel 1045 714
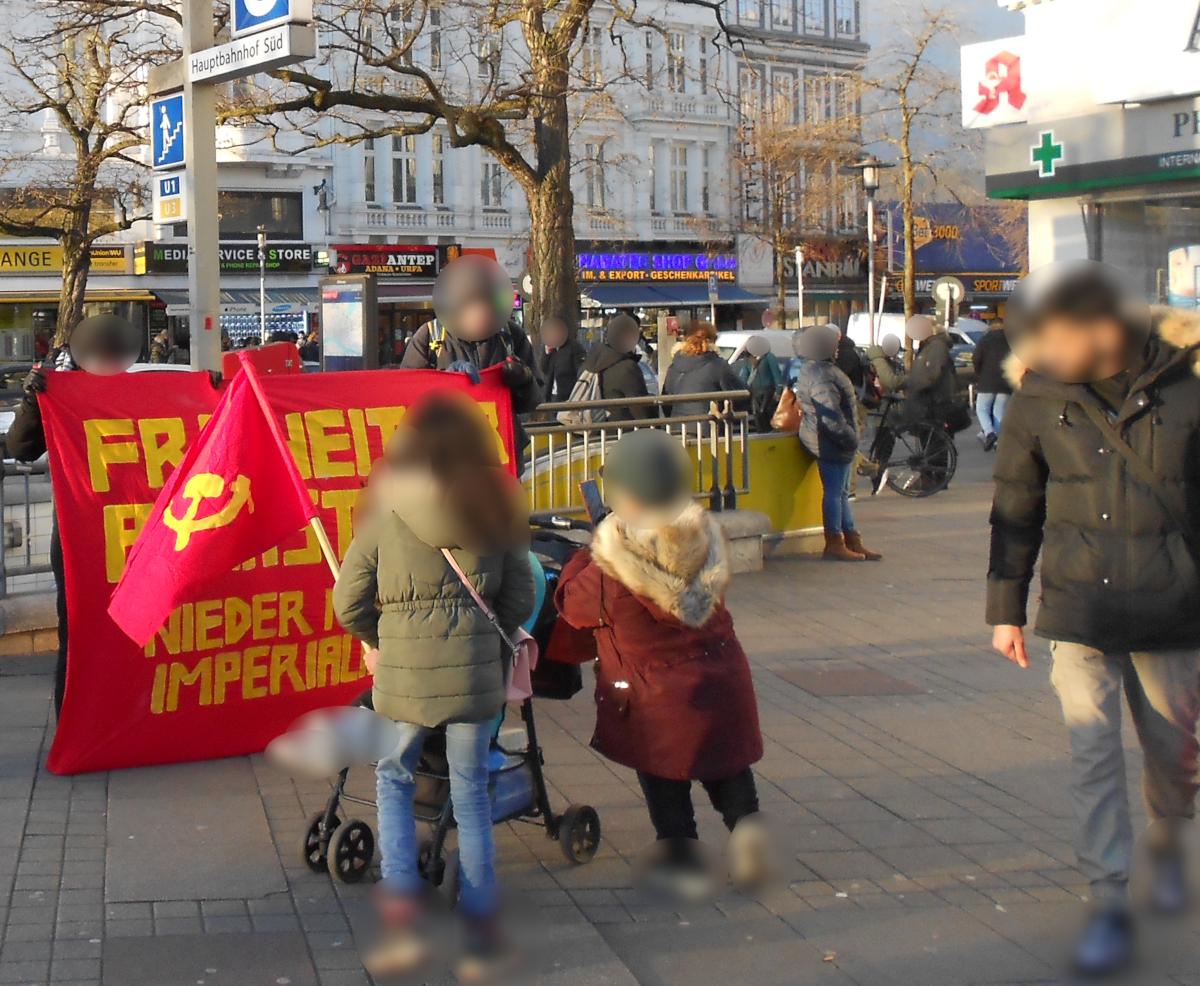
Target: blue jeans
pixel 467 751
pixel 835 504
pixel 989 408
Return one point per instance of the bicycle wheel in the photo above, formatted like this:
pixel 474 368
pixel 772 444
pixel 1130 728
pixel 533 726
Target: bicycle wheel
pixel 923 460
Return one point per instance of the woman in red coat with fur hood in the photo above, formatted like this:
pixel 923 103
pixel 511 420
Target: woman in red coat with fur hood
pixel 674 697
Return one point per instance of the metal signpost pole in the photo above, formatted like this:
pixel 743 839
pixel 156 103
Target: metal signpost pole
pixel 871 261
pixel 262 285
pixel 799 290
pixel 200 149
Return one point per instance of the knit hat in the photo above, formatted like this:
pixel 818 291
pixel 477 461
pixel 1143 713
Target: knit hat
pixel 919 328
pixel 650 466
pixel 819 342
pixel 1079 289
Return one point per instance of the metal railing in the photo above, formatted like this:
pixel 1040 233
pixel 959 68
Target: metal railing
pixel 561 456
pixel 26 510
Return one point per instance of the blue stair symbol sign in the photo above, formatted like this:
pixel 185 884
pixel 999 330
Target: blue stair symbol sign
pixel 166 132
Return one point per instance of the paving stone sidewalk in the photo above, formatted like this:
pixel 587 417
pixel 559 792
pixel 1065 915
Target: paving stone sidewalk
pixel 917 783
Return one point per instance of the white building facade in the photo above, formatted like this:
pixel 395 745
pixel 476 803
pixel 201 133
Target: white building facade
pixel 654 124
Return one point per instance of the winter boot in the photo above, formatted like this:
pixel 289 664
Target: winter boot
pixel 750 853
pixel 405 943
pixel 854 542
pixel 836 549
pixel 1106 945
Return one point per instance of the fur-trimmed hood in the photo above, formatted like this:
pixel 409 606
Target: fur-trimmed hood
pixel 1176 326
pixel 683 567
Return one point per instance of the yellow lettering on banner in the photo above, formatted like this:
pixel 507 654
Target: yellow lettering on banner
pixel 158 691
pixel 208 620
pixel 101 454
pixel 362 447
pixel 294 423
pixel 180 677
pixel 328 661
pixel 323 441
pixel 310 554
pixel 263 616
pixel 254 670
pixel 291 614
pixel 237 619
pixel 330 619
pixel 386 419
pixel 227 668
pixel 202 420
pixel 163 440
pixel 491 412
pixel 122 522
pixel 283 664
pixel 342 503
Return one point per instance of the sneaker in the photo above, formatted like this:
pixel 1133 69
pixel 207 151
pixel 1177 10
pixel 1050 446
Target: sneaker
pixel 1169 889
pixel 1106 945
pixel 989 443
pixel 405 943
pixel 750 853
pixel 486 952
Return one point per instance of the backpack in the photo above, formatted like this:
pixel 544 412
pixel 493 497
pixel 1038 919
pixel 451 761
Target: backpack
pixel 587 388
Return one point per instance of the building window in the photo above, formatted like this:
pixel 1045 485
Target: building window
pixel 843 104
pixel 649 80
pixel 702 67
pixel 676 63
pixel 242 212
pixel 679 178
pixel 845 206
pixel 592 56
pixel 653 178
pixel 814 17
pixel 438 174
pixel 816 97
pixel 435 37
pixel 404 170
pixel 369 169
pixel 489 59
pixel 750 12
pixel 596 192
pixel 749 92
pixel 706 180
pixel 845 14
pixel 491 185
pixel 783 97
pixel 782 15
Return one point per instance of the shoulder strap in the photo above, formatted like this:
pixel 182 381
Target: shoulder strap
pixel 1141 468
pixel 483 606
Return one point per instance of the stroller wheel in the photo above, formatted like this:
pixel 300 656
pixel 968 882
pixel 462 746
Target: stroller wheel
pixel 579 833
pixel 351 850
pixel 432 868
pixel 311 850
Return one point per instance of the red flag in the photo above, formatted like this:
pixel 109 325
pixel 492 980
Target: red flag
pixel 236 494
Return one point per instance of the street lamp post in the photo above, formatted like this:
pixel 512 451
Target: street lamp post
pixel 869 167
pixel 262 285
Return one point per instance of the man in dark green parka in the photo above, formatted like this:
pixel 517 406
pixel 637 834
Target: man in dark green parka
pixel 1097 470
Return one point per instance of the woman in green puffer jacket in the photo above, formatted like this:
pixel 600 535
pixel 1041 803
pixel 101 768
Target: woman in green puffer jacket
pixel 439 660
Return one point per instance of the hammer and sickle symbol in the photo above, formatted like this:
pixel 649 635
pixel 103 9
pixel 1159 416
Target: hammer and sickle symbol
pixel 207 486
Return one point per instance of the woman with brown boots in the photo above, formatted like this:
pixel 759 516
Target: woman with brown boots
pixel 829 431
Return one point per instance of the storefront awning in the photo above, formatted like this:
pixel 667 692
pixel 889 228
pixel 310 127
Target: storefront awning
pixel 667 295
pixel 305 298
pixel 99 294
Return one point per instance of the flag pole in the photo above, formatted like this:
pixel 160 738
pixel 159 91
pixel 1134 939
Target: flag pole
pixel 326 548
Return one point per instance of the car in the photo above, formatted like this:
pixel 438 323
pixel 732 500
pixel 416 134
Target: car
pixel 732 343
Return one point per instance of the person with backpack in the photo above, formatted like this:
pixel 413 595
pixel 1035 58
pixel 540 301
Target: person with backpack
pixel 674 696
pixel 472 331
pixel 1096 472
pixel 612 371
pixel 560 359
pixel 762 375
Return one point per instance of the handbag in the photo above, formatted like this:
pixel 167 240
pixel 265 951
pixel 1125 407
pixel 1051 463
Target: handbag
pixel 788 415
pixel 518 683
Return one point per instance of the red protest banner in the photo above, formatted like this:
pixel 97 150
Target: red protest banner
pixel 251 648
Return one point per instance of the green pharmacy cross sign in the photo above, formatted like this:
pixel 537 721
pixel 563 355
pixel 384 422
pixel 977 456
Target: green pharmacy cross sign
pixel 1046 154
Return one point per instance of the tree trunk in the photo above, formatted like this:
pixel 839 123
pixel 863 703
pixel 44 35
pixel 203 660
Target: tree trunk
pixel 76 265
pixel 552 259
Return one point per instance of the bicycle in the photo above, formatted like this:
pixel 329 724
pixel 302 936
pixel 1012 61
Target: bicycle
pixel 920 459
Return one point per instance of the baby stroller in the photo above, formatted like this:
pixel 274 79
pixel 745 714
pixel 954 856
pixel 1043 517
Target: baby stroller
pixel 517 787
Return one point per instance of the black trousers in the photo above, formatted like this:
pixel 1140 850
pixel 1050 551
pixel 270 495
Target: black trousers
pixel 60 585
pixel 670 802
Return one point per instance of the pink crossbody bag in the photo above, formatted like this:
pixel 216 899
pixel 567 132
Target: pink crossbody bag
pixel 524 649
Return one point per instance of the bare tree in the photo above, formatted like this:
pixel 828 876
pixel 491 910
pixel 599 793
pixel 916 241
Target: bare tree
pixel 788 159
pixel 77 177
pixel 506 76
pixel 914 104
